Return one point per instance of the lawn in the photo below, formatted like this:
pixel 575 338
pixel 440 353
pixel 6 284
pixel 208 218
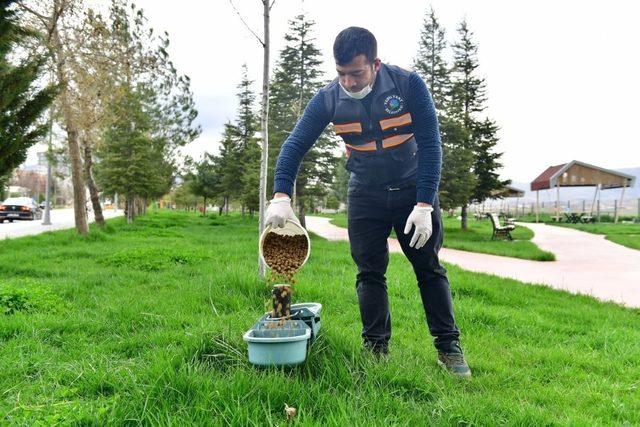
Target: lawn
pixel 142 324
pixel 477 238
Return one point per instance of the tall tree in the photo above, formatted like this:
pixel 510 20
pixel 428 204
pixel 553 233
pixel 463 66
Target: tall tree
pixel 128 153
pixel 230 165
pixel 468 90
pixel 239 161
pixel 139 75
pixel 430 62
pixel 22 102
pixel 91 84
pixel 53 18
pixel 205 182
pixel 487 161
pixel 341 180
pixel 468 101
pixel 457 181
pixel 267 5
pixel 296 79
pixel 247 125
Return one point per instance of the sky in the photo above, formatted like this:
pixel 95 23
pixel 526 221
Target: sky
pixel 561 76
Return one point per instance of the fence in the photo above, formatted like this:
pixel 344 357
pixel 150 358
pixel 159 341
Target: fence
pixel 608 208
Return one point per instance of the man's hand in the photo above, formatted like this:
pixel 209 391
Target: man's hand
pixel 279 211
pixel 420 217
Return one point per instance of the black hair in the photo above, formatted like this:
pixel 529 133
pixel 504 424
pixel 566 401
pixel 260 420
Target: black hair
pixel 354 41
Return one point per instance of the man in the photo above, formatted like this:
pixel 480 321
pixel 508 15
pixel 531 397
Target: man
pixel 388 122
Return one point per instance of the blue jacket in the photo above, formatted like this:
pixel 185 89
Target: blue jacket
pixel 396 141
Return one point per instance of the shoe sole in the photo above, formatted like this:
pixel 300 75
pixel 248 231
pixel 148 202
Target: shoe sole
pixel 465 375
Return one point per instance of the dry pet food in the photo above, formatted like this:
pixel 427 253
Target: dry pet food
pixel 284 254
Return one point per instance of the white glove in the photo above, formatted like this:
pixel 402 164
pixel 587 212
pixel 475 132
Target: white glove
pixel 279 211
pixel 421 218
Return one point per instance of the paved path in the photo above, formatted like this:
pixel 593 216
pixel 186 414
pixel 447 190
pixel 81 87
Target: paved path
pixel 585 263
pixel 60 219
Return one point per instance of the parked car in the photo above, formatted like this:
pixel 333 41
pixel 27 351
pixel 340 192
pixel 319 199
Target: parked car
pixel 19 208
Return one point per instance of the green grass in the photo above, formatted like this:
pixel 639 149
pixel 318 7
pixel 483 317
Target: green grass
pixel 477 238
pixel 142 324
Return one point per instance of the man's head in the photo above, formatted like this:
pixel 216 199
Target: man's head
pixel 355 51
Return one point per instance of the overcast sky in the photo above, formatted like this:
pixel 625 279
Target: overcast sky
pixel 563 77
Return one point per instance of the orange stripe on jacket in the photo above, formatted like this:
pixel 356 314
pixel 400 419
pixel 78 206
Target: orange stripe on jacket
pixel 404 119
pixel 369 146
pixel 354 127
pixel 394 140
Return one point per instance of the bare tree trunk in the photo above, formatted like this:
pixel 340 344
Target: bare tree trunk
pixel 130 207
pixel 302 216
pixel 139 204
pixel 93 189
pixel 264 120
pixel 463 214
pixel 79 200
pixel 204 207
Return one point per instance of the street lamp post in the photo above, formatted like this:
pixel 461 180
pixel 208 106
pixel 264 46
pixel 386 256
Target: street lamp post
pixel 47 203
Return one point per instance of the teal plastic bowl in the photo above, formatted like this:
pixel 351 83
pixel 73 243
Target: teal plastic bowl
pixel 271 344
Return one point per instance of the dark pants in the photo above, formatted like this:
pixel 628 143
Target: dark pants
pixel 372 213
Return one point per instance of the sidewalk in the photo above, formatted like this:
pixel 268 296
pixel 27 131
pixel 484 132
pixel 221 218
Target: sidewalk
pixel 60 220
pixel 585 263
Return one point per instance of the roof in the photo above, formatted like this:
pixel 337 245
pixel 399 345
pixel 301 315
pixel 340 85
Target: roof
pixel 580 174
pixel 508 191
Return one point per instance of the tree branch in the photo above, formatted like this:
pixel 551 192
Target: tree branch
pixel 271 5
pixel 42 18
pixel 245 24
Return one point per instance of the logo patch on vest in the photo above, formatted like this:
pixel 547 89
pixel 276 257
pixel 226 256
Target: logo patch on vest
pixel 393 104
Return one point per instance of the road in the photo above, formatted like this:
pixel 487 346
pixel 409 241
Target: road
pixel 60 219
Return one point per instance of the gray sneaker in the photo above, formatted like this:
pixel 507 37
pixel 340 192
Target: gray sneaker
pixel 453 360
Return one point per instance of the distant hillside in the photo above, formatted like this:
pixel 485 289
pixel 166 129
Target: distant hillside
pixel 577 193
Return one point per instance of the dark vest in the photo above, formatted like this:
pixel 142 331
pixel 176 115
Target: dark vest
pixel 380 145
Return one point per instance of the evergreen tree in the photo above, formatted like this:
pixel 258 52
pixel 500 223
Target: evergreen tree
pixel 468 100
pixel 247 127
pixel 341 180
pixel 296 79
pixel 128 154
pixel 138 74
pixel 206 181
pixel 457 180
pixel 430 62
pixel 468 91
pixel 21 101
pixel 230 165
pixel 239 162
pixel 486 161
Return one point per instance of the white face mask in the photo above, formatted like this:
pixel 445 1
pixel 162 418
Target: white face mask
pixel 358 95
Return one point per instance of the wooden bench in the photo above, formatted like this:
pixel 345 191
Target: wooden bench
pixel 507 219
pixel 500 230
pixel 478 215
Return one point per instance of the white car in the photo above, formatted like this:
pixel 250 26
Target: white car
pixel 19 208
